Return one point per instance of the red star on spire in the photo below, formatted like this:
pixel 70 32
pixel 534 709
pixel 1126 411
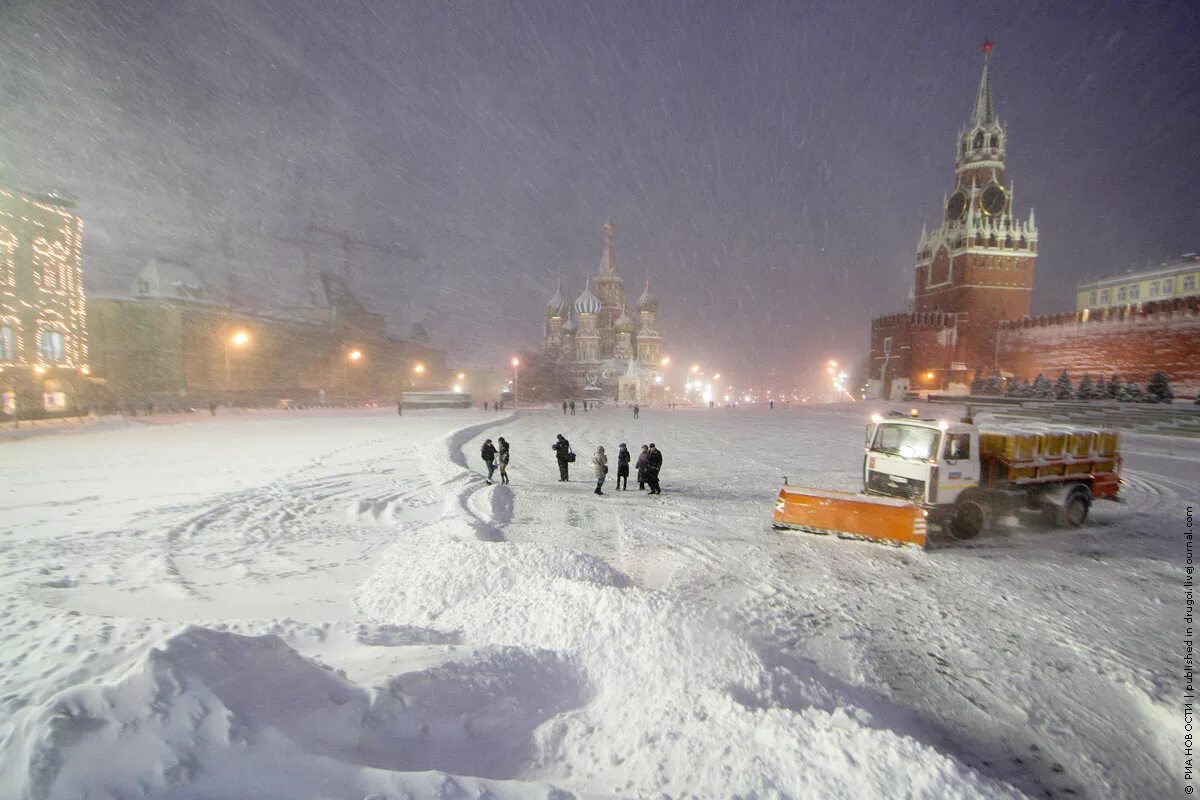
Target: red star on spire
pixel 987 46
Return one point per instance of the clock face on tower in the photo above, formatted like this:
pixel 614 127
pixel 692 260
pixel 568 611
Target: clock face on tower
pixel 956 206
pixel 993 200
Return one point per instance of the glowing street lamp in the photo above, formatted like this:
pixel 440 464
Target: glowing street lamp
pixel 462 376
pixel 353 357
pixel 666 360
pixel 239 339
pixel 695 368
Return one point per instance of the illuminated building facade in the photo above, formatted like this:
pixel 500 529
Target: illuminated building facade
pixel 43 322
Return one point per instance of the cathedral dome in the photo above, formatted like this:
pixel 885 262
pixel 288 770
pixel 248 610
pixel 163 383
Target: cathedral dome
pixel 587 303
pixel 647 302
pixel 623 323
pixel 557 307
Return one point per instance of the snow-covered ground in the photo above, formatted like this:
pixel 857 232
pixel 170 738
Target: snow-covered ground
pixel 333 605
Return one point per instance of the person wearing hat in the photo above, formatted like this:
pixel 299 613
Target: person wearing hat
pixel 641 467
pixel 600 467
pixel 623 468
pixel 562 452
pixel 488 454
pixel 654 462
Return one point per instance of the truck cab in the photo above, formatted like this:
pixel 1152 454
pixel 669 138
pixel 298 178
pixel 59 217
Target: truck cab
pixel 928 462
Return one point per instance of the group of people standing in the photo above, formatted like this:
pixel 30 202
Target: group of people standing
pixel 648 465
pixel 495 457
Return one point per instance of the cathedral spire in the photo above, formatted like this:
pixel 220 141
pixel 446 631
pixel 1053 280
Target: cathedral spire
pixel 608 262
pixel 984 112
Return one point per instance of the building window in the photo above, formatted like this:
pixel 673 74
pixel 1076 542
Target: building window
pixel 1189 283
pixel 1168 287
pixel 1120 294
pixel 50 347
pixel 8 344
pixel 1105 297
pixel 1092 299
pixel 887 345
pixel 979 140
pixel 995 141
pixel 1135 291
pixel 1154 288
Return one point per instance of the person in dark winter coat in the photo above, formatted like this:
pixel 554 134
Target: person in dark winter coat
pixel 600 468
pixel 654 462
pixel 502 459
pixel 562 452
pixel 572 407
pixel 488 454
pixel 623 468
pixel 636 410
pixel 643 457
pixel 564 408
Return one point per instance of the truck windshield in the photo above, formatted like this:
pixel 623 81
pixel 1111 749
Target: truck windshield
pixel 906 441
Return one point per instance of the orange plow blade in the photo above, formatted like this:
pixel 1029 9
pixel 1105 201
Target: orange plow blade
pixel 859 516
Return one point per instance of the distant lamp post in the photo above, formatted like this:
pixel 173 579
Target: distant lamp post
pixel 240 340
pixel 353 358
pixel 695 368
pixel 516 365
pixel 666 360
pixel 418 370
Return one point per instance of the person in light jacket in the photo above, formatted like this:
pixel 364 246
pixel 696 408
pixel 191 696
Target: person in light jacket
pixel 600 468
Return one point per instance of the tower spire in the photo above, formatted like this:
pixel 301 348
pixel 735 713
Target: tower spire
pixel 984 112
pixel 608 263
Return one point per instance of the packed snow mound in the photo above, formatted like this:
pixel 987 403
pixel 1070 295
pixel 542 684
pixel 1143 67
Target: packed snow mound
pixel 678 701
pixel 209 714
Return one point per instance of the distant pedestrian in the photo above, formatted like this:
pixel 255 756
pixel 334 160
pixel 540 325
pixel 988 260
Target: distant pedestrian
pixel 212 407
pixel 636 410
pixel 564 456
pixel 640 466
pixel 399 408
pixel 564 408
pixel 585 405
pixel 654 462
pixel 485 405
pixel 488 454
pixel 600 468
pixel 623 468
pixel 572 408
pixel 502 458
pixel 771 404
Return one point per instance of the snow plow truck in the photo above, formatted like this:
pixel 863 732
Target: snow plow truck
pixel 959 477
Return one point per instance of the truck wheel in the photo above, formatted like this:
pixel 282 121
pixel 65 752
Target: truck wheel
pixel 969 519
pixel 1072 512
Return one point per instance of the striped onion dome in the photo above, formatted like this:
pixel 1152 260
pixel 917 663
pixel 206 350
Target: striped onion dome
pixel 647 302
pixel 587 303
pixel 623 323
pixel 557 307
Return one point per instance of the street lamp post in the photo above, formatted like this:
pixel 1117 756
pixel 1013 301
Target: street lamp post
pixel 239 339
pixel 516 363
pixel 354 356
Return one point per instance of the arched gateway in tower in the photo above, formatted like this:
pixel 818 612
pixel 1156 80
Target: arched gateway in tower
pixel 973 270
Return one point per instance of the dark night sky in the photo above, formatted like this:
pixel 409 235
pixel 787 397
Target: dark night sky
pixel 769 165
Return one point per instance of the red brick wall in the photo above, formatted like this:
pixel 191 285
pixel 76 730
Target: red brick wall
pixel 1161 336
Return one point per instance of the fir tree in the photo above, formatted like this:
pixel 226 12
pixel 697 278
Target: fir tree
pixel 1158 390
pixel 1129 393
pixel 1041 388
pixel 1062 387
pixel 994 385
pixel 1086 387
pixel 977 385
pixel 1113 389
